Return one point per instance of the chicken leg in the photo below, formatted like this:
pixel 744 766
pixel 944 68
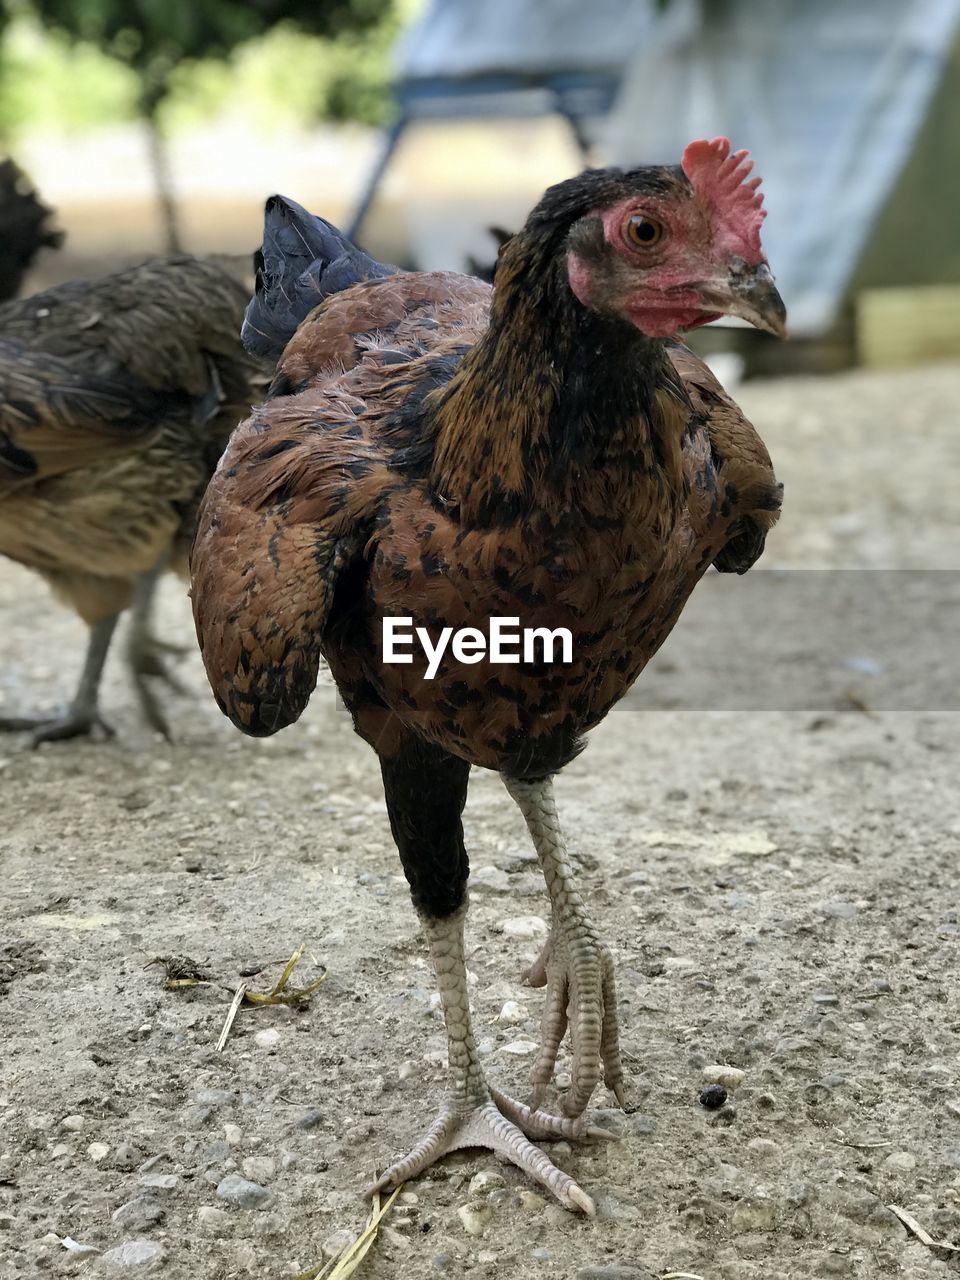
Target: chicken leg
pixel 425 789
pixel 574 966
pixel 145 652
pixel 476 1115
pixel 83 713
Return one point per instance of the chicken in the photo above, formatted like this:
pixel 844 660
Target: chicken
pixel 436 451
pixel 117 396
pixel 24 228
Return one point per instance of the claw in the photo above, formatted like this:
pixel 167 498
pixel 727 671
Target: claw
pixel 536 974
pixel 575 966
pixel 597 1131
pixel 581 994
pixel 150 706
pixel 582 1201
pixel 57 728
pixel 504 1125
pixel 146 663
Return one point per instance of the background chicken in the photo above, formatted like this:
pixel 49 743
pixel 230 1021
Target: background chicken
pixel 549 452
pixel 116 398
pixel 25 228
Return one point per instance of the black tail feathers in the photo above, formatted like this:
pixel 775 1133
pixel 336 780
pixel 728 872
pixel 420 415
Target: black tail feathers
pixel 303 260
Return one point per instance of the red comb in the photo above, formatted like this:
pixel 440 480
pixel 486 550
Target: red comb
pixel 720 180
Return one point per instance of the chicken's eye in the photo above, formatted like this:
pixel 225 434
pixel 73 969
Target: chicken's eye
pixel 642 232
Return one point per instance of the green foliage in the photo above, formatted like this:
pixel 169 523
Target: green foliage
pixel 156 37
pixel 48 83
pixel 286 78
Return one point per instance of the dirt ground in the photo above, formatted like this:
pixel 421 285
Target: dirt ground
pixel 778 886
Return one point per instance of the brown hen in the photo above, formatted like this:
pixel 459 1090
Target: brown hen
pixel 546 452
pixel 117 396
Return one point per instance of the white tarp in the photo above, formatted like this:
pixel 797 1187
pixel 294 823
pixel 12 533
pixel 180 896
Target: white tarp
pixel 828 95
pixel 465 38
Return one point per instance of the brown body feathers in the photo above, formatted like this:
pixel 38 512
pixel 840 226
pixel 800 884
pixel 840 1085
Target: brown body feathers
pixel 117 396
pixel 425 455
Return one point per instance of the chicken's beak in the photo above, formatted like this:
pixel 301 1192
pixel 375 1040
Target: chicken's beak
pixel 748 292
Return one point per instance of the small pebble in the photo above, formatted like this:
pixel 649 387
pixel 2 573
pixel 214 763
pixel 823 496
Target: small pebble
pixel 731 1078
pixel 234 1134
pixel 610 1209
pixel 407 1069
pixel 714 1096
pixel 259 1168
pixel 490 880
pixel 336 1243
pixel 309 1120
pixel 216 1152
pixel 78 1250
pixel 241 1193
pixel 98 1151
pixel 126 1156
pixel 521 1048
pixel 725 1116
pixel 139 1213
pixel 134 1253
pixel 764 1148
pixel 268 1039
pixel 474 1218
pixel 193 1118
pixel 838 910
pixel 541 1255
pixel 485 1181
pixel 216 1221
pixel 159 1181
pixel 524 927
pixel 530 1202
pixel 610 1118
pixel 900 1162
pixel 72 1124
pixel 754 1215
pixel 511 1012
pixel 214 1097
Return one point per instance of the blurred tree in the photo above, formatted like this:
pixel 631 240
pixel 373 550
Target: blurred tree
pixel 155 37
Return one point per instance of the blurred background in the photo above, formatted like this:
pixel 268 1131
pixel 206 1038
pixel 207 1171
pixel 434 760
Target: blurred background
pixel 149 126
pixel 419 124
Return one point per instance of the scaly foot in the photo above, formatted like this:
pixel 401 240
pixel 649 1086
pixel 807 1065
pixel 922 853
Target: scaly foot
pixel 502 1124
pixel 577 970
pixel 74 722
pixel 144 653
